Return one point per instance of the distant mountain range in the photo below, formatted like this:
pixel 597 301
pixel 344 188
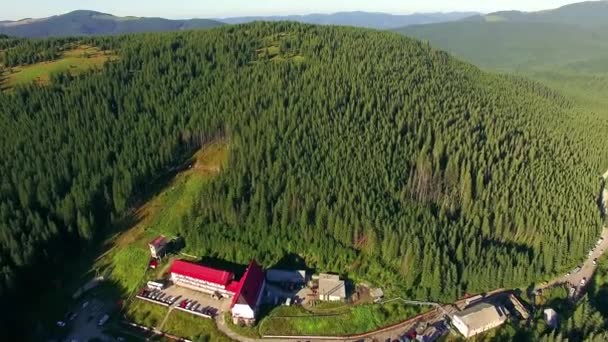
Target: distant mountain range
pixel 584 14
pixel 361 19
pixel 570 37
pixel 87 23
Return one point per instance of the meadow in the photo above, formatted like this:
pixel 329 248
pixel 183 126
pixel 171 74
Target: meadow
pixel 74 61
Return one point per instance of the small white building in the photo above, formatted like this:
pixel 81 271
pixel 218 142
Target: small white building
pixel 158 246
pixel 331 288
pixel 550 317
pixel 478 318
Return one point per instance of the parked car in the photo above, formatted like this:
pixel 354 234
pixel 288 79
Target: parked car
pixel 583 281
pixel 595 262
pixel 61 324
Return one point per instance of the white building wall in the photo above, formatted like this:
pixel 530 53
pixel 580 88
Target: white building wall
pixel 242 311
pixel 461 326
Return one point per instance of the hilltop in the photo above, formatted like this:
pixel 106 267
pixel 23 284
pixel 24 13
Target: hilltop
pixel 90 23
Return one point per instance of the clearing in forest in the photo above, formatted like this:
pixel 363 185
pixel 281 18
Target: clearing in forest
pixel 75 61
pixel 127 258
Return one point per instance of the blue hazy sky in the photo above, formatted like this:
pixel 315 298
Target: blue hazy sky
pixel 18 9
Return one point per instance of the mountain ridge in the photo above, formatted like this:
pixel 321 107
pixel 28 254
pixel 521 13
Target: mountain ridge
pixel 92 23
pixel 376 20
pixel 593 12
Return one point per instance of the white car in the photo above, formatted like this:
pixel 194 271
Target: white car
pixel 583 281
pixel 61 324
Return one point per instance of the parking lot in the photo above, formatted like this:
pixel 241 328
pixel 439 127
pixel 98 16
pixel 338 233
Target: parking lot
pixel 187 300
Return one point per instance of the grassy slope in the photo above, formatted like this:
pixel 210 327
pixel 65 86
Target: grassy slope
pixel 341 320
pixel 128 258
pixel 189 326
pixel 75 61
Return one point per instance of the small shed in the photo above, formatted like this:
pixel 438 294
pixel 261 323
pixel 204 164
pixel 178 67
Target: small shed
pixel 377 294
pixel 158 246
pixel 550 317
pixel 331 288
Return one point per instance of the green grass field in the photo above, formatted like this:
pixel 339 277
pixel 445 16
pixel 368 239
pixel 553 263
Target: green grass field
pixel 341 320
pixel 193 327
pixel 144 313
pixel 75 61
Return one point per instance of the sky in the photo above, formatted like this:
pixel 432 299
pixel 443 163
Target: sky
pixel 181 9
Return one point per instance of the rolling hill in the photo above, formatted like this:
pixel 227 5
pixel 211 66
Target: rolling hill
pixel 363 152
pixel 515 46
pixel 573 36
pixel 90 23
pixel 586 14
pixel 359 19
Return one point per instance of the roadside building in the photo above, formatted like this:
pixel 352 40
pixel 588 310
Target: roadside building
pixel 202 278
pixel 158 246
pixel 286 276
pixel 550 317
pixel 478 318
pixel 246 301
pixel 331 288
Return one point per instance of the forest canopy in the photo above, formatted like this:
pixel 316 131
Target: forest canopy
pixel 367 153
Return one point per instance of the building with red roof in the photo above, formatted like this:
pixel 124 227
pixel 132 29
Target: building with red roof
pixel 248 296
pixel 158 246
pixel 202 278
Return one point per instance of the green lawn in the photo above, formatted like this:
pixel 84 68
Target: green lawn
pixel 292 320
pixel 193 327
pixel 145 313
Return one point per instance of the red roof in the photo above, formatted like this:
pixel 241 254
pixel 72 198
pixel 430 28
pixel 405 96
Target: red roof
pixel 158 241
pixel 196 271
pixel 250 286
pixel 233 286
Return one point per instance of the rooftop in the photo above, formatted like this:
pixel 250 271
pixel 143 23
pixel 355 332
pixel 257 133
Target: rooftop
pixel 250 286
pixel 200 272
pixel 331 285
pixel 159 241
pixel 481 315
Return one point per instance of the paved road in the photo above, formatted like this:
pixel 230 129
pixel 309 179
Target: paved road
pixel 587 267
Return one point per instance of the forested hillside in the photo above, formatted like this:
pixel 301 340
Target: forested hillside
pixel 367 153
